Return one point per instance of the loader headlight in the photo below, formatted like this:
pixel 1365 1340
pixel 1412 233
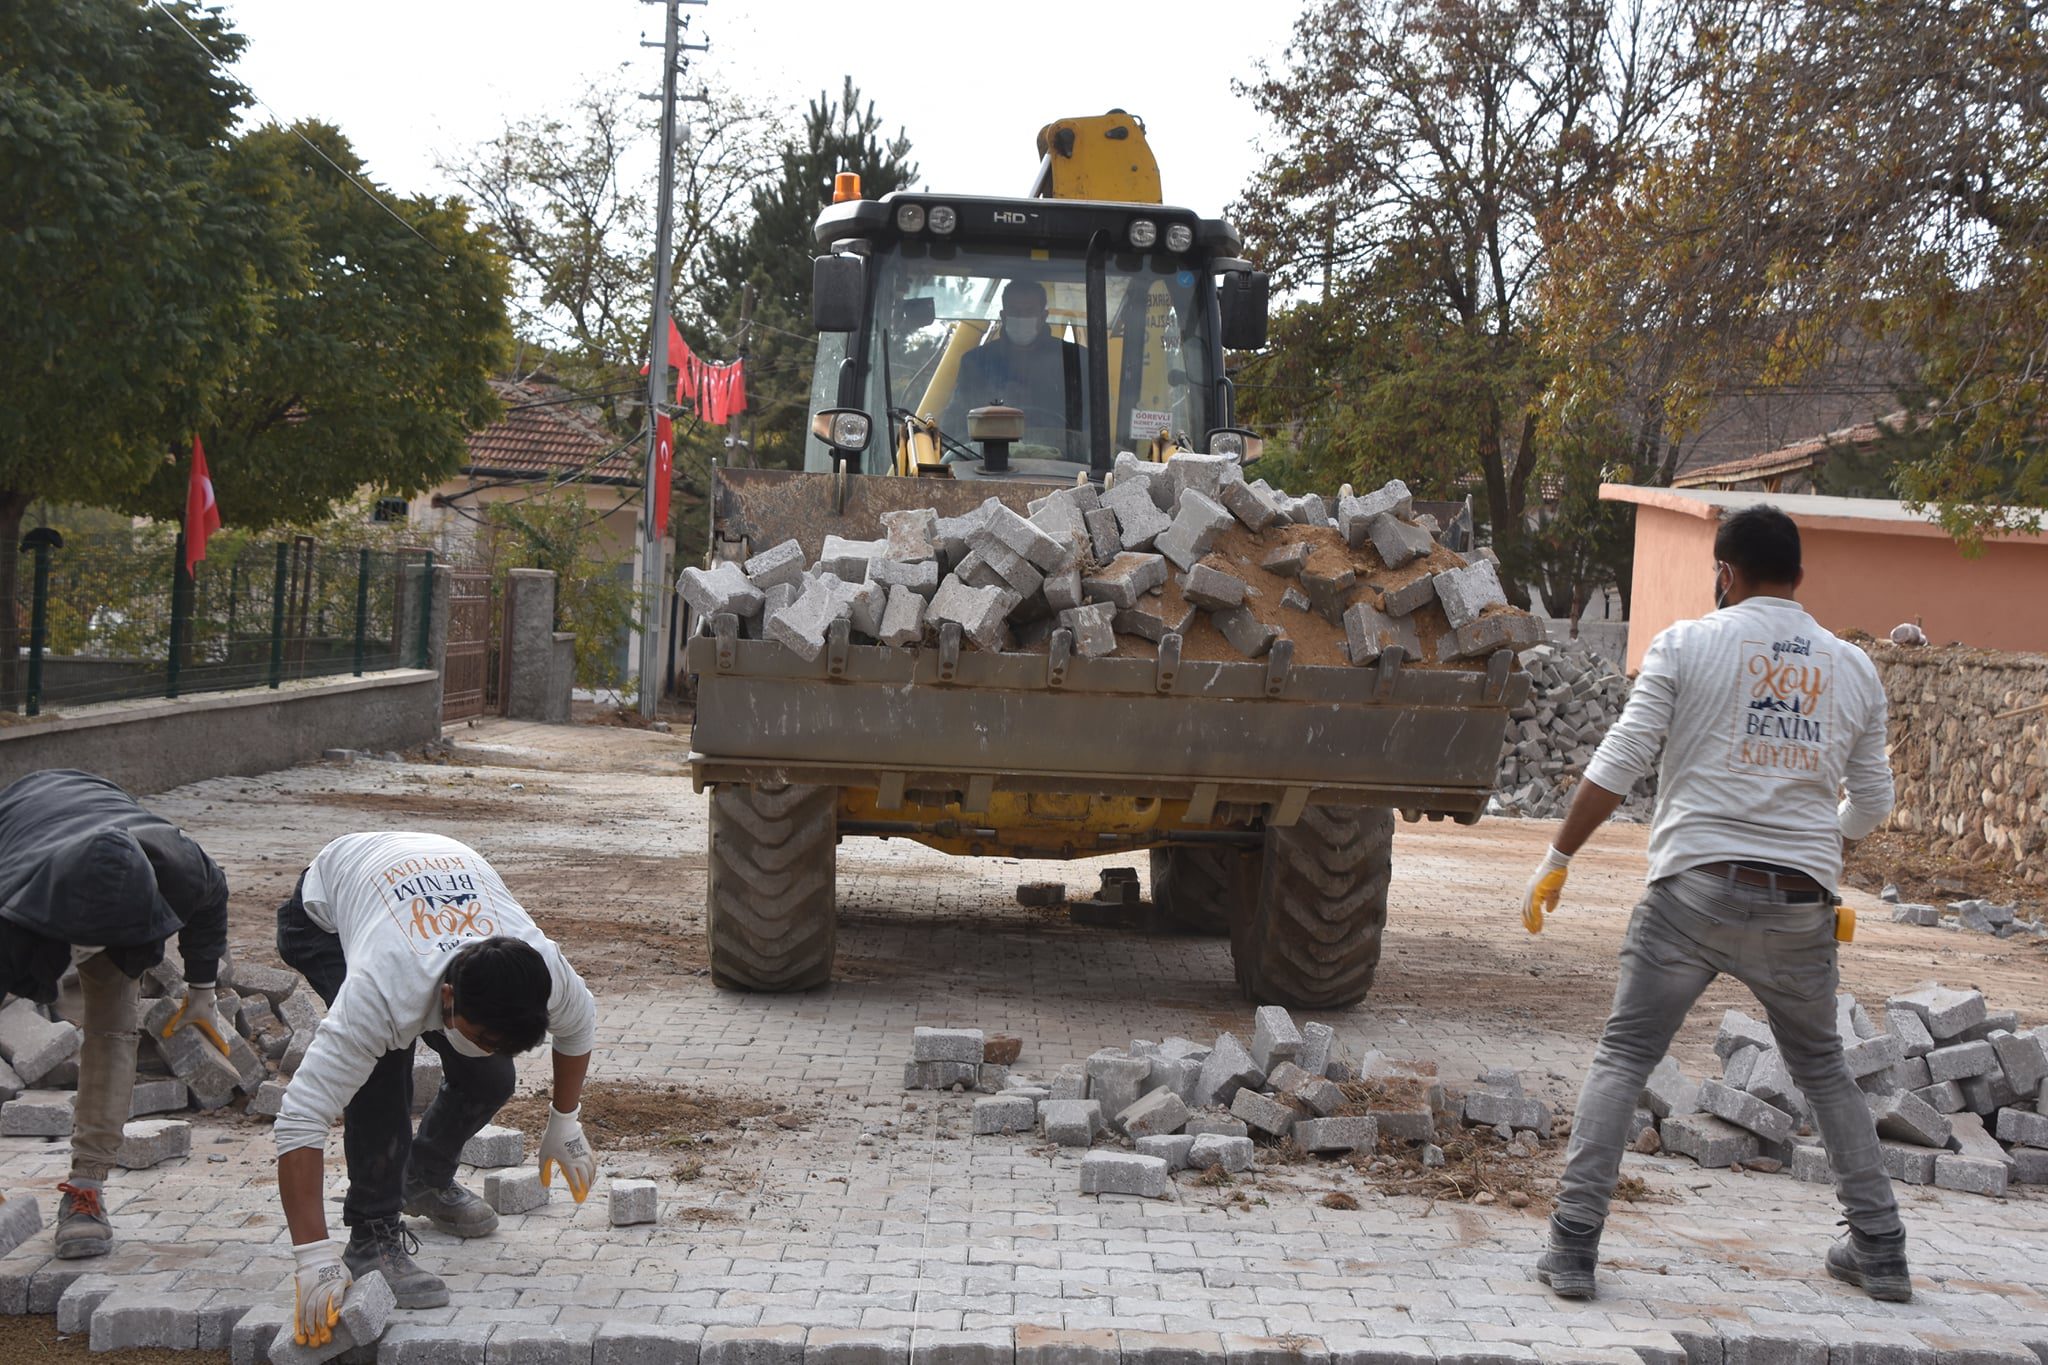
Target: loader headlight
pixel 943 219
pixel 842 428
pixel 1144 232
pixel 1179 237
pixel 910 218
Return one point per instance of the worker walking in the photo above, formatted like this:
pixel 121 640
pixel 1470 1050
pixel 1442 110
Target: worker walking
pixel 89 878
pixel 1763 719
pixel 413 938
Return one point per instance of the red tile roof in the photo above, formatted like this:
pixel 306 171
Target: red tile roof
pixel 1789 458
pixel 542 436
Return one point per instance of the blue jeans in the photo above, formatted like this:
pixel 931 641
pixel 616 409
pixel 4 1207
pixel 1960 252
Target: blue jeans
pixel 1688 929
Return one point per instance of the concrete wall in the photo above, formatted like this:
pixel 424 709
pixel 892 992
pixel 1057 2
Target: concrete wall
pixel 1866 576
pixel 536 684
pixel 150 746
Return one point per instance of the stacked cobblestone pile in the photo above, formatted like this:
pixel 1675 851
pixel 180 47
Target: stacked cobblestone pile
pixel 1972 916
pixel 272 1015
pixel 1575 695
pixel 1186 548
pixel 1956 1089
pixel 1153 1108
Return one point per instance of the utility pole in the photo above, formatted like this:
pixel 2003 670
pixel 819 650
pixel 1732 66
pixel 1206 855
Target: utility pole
pixel 653 569
pixel 739 450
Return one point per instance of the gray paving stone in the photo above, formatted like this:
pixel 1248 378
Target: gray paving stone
pixel 857 1346
pixel 633 1202
pixel 1945 1012
pixel 1868 1056
pixel 1172 1148
pixel 1004 1114
pixel 33 1046
pixel 1216 1149
pixel 2029 1166
pixel 1380 1351
pixel 1906 1117
pixel 364 1311
pixel 989 1346
pixel 1037 1345
pixel 752 1346
pixel 1263 1114
pixel 1946 1098
pixel 1317 1044
pixel 1355 514
pixel 777 565
pixel 2023 1057
pixel 151 1142
pixel 1071 1123
pixel 1125 1173
pixel 125 1321
pixel 1737 1031
pixel 212 1078
pixel 1349 1134
pixel 1707 1139
pixel 38 1113
pixel 1215 1125
pixel 495 1146
pixel 1228 1067
pixel 1908 1162
pixel 20 1219
pixel 81 1299
pixel 1153 1114
pixel 256 1331
pixel 622 1343
pixel 1747 1111
pixel 218 1316
pixel 1668 1092
pixel 161 1096
pixel 511 1192
pixel 1910 1030
pixel 1468 591
pixel 522 1343
pixel 1170 1348
pixel 1961 1061
pixel 1972 1175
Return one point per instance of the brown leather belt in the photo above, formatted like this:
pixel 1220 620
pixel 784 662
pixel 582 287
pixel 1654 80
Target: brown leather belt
pixel 1785 881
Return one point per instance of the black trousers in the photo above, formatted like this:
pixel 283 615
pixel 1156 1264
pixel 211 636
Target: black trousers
pixel 377 1132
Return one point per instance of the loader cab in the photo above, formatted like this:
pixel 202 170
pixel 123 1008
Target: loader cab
pixel 1104 324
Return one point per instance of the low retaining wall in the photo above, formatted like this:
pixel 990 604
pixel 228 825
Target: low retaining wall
pixel 150 746
pixel 1961 772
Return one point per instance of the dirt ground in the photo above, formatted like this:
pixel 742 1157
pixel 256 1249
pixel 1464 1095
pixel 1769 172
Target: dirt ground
pixel 1932 873
pixel 37 1339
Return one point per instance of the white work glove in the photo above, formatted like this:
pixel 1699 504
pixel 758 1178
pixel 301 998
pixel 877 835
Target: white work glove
pixel 563 1145
pixel 318 1289
pixel 201 1010
pixel 1545 887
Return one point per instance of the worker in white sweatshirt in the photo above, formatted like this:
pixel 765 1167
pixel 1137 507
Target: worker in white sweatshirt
pixel 413 938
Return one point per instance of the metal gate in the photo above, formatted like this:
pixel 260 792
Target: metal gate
pixel 471 623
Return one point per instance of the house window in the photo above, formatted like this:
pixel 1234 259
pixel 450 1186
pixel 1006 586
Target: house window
pixel 392 509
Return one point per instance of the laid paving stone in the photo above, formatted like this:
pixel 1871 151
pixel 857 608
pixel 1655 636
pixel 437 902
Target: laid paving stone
pixel 1125 1173
pixel 516 1192
pixel 857 1346
pixel 633 1202
pixel 724 1345
pixel 631 1343
pixel 989 1346
pixel 524 1343
pixel 151 1142
pixel 495 1146
pixel 1070 1123
pixel 81 1299
pixel 1004 1114
pixel 20 1219
pixel 134 1322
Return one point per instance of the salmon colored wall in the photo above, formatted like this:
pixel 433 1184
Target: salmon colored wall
pixel 1860 580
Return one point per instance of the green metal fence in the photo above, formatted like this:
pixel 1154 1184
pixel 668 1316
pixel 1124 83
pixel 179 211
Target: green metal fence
pixel 117 618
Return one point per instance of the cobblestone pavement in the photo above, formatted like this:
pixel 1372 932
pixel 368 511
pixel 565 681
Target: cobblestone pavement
pixel 877 1211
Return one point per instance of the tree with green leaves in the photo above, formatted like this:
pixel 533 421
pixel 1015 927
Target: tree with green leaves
pixel 771 255
pixel 1851 169
pixel 1423 147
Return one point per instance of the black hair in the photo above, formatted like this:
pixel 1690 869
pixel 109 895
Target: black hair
pixel 1761 543
pixel 502 987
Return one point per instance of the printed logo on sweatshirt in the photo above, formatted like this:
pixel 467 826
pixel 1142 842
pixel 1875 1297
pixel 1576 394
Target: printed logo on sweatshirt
pixel 1784 711
pixel 437 903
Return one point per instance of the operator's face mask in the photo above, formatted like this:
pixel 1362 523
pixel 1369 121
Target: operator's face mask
pixel 1023 328
pixel 1724 579
pixel 462 1045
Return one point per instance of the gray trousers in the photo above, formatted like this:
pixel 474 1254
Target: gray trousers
pixel 1688 929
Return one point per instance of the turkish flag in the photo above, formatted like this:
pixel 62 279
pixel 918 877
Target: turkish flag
pixel 202 514
pixel 677 348
pixel 664 470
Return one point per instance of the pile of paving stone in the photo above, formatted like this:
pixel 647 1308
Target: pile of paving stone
pixel 272 1015
pixel 1575 695
pixel 1975 916
pixel 1184 549
pixel 1957 1090
pixel 1161 1107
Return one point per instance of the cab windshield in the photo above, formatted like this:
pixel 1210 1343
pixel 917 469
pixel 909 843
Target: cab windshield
pixel 958 327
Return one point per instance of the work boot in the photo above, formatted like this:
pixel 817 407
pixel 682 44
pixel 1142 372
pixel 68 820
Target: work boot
pixel 1876 1265
pixel 82 1226
pixel 1569 1264
pixel 384 1244
pixel 451 1208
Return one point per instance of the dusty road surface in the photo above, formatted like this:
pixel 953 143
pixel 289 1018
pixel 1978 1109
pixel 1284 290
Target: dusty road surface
pixel 803 1189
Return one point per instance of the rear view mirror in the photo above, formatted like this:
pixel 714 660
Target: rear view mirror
pixel 839 293
pixel 914 315
pixel 1242 302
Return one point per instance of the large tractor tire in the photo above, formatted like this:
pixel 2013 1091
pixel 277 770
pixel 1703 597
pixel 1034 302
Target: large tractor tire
pixel 1315 906
pixel 1194 886
pixel 769 917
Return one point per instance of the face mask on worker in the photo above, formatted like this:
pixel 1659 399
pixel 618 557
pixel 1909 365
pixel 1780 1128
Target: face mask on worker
pixel 1724 579
pixel 456 1038
pixel 1022 328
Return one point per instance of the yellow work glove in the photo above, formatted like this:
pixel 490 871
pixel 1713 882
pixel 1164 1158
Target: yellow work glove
pixel 1544 889
pixel 201 1011
pixel 318 1289
pixel 563 1145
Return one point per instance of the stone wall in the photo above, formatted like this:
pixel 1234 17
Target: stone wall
pixel 1962 773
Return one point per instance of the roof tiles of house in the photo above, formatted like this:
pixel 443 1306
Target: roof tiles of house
pixel 1788 458
pixel 541 436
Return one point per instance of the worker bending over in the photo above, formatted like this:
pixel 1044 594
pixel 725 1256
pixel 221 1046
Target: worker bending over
pixel 414 938
pixel 1763 719
pixel 89 878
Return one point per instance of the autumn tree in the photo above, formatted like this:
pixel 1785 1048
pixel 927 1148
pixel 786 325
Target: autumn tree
pixel 1422 147
pixel 1851 169
pixel 771 254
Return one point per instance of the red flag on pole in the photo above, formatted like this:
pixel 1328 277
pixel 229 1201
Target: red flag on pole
pixel 664 470
pixel 677 347
pixel 202 515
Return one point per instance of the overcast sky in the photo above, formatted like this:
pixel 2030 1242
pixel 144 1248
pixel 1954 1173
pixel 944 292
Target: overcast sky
pixel 413 81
